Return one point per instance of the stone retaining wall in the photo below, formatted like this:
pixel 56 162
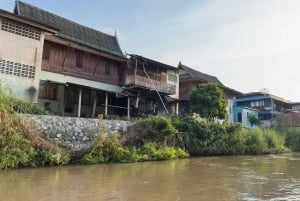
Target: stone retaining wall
pixel 75 134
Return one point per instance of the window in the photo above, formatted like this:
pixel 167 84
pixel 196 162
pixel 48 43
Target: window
pixel 48 91
pixel 79 59
pixel 107 68
pixel 296 107
pixel 260 103
pixel 172 78
pixel 20 29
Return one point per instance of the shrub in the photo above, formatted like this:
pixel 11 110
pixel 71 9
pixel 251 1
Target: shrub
pixel 21 106
pixel 126 155
pixel 153 151
pixel 264 141
pixel 255 142
pixel 291 136
pixel 156 129
pixel 103 149
pixel 211 138
pixel 20 144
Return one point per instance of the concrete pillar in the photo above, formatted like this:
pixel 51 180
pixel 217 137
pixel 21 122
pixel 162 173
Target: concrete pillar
pixel 79 102
pixel 94 108
pixel 106 104
pixel 128 107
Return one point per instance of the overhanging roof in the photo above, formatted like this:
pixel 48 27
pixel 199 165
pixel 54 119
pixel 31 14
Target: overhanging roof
pixel 144 59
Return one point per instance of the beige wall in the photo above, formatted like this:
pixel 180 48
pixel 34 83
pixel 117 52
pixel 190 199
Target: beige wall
pixel 23 50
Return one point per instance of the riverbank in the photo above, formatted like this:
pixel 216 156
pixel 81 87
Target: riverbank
pixel 154 138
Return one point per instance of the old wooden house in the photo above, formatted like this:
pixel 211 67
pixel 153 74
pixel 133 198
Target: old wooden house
pixel 190 78
pixel 152 85
pixel 81 67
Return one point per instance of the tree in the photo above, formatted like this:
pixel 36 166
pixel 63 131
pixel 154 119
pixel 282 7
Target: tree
pixel 208 101
pixel 253 120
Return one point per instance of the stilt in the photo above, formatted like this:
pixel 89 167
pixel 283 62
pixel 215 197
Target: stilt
pixel 79 102
pixel 128 107
pixel 106 104
pixel 94 108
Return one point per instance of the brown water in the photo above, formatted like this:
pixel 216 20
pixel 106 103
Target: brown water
pixel 272 177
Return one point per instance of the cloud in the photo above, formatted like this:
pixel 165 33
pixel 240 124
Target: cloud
pixel 249 45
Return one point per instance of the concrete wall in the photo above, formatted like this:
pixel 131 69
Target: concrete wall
pixel 75 134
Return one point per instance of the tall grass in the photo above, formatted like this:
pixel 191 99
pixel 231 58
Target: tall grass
pixel 264 141
pixel 152 139
pixel 209 138
pixel 292 137
pixel 20 144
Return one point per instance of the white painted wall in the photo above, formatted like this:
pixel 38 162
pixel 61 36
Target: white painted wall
pixel 59 78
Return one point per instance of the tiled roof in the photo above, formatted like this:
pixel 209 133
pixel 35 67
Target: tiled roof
pixel 199 75
pixel 71 30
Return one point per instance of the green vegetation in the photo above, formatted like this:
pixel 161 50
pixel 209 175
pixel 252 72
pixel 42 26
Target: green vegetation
pixel 162 138
pixel 292 137
pixel 253 120
pixel 152 139
pixel 208 101
pixel 210 138
pixel 20 145
pixel 264 141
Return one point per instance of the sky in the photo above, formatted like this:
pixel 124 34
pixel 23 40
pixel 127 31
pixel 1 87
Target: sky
pixel 249 45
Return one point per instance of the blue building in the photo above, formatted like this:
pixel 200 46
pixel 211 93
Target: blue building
pixel 266 105
pixel 241 114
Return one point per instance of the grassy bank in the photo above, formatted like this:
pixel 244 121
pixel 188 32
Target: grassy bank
pixel 162 138
pixel 151 140
pixel 155 138
pixel 291 136
pixel 209 138
pixel 20 144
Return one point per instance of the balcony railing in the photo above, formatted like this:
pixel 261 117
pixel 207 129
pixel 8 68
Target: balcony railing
pixel 150 84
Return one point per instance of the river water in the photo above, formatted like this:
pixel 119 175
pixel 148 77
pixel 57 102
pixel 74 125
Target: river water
pixel 270 177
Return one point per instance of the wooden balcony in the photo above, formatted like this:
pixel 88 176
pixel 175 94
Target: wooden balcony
pixel 144 82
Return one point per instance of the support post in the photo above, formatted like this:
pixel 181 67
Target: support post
pixel 94 108
pixel 79 102
pixel 106 104
pixel 128 107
